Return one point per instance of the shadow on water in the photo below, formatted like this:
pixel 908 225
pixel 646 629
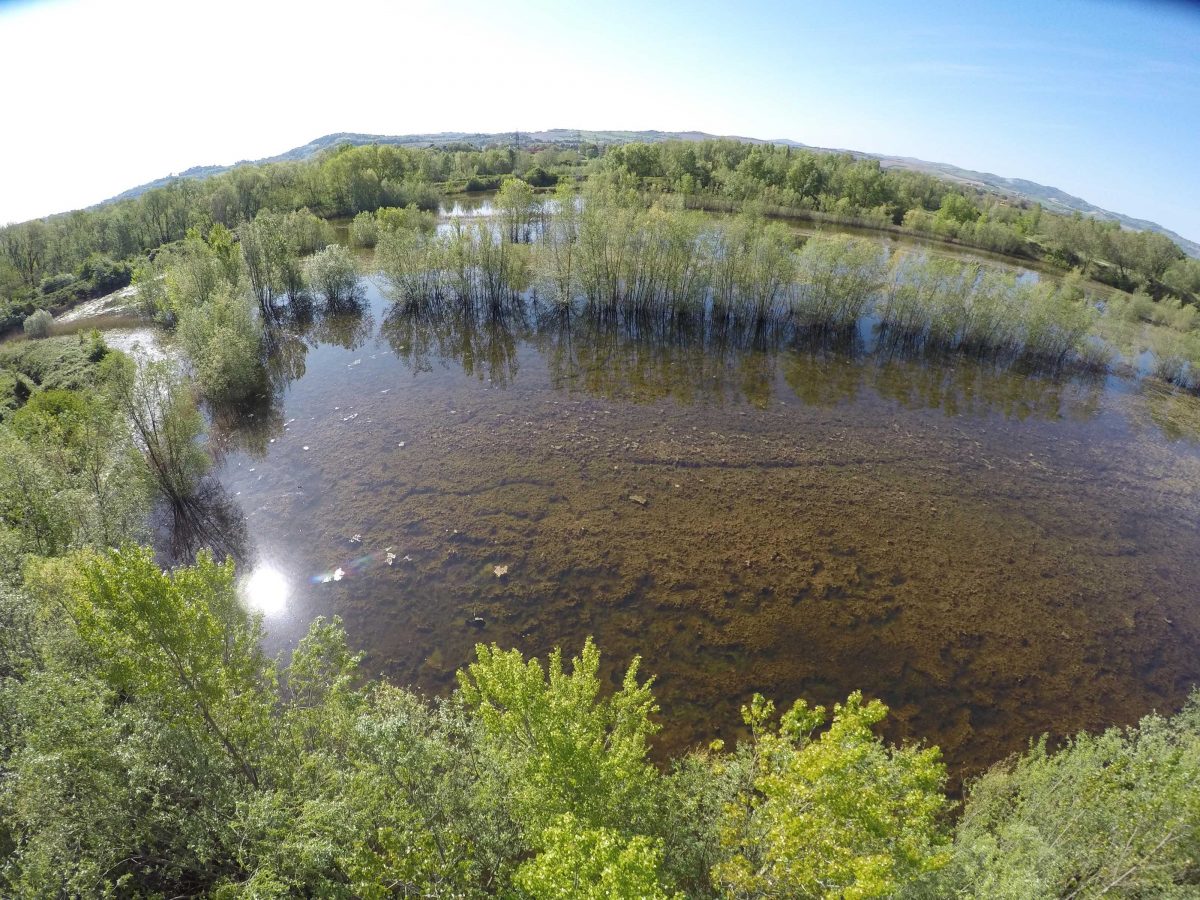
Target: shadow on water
pixel 994 551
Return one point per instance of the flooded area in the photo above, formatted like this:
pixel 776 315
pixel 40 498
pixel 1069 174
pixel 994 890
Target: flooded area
pixel 993 553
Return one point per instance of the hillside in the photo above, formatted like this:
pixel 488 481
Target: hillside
pixel 1051 198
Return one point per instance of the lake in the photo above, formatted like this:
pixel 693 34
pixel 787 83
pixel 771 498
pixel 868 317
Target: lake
pixel 994 553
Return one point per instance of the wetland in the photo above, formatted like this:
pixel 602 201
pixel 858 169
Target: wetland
pixel 994 552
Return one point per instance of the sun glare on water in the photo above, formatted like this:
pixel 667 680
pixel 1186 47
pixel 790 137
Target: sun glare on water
pixel 266 591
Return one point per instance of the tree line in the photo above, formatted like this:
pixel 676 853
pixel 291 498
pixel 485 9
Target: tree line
pixel 51 263
pixel 841 187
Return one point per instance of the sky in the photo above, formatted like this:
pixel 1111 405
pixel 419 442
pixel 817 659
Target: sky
pixel 1096 97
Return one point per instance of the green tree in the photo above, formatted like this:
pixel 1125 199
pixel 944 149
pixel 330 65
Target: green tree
pixel 517 207
pixel 1113 814
pixel 563 748
pixel 837 815
pixel 581 863
pixel 163 415
pixel 333 273
pixel 224 344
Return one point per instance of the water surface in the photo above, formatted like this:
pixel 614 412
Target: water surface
pixel 993 553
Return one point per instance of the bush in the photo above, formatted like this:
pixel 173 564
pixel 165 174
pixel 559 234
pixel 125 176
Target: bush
pixel 333 273
pixel 364 230
pixel 223 341
pixel 394 218
pixel 1111 814
pixel 38 324
pixel 104 274
pixel 52 283
pixel 539 177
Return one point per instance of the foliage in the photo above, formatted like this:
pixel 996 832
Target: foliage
pixel 160 409
pixel 839 815
pixel 223 341
pixel 1113 814
pixel 38 324
pixel 333 273
pixel 562 748
pixel 517 208
pixel 150 748
pixel 364 230
pixel 592 864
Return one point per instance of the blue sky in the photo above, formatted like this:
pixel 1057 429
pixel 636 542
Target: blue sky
pixel 1099 98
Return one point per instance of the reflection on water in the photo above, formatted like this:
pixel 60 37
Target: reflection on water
pixel 992 552
pixel 266 590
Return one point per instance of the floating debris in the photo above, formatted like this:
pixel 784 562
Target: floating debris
pixel 356 539
pixel 390 557
pixel 385 390
pixel 638 499
pixel 349 417
pixel 400 445
pixel 357 362
pixel 306 446
pixel 500 571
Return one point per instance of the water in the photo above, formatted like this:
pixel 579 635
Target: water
pixel 994 554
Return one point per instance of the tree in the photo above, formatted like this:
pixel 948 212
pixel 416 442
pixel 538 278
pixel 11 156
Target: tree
pixel 517 207
pixel 838 815
pixel 334 273
pixel 166 422
pixel 580 863
pixel 561 747
pixel 1113 814
pixel 224 343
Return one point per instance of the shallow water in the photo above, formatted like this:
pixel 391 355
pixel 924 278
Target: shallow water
pixel 994 554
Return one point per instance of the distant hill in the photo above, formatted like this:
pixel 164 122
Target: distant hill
pixel 1051 198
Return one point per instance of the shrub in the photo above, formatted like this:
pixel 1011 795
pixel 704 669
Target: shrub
pixel 1111 814
pixel 333 273
pixel 223 341
pixel 52 283
pixel 838 275
pixel 364 230
pixel 38 324
pixel 411 217
pixel 539 177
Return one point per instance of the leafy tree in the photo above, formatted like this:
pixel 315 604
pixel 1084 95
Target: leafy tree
pixel 333 273
pixel 164 418
pixel 224 343
pixel 517 207
pixel 580 863
pixel 838 815
pixel 1114 814
pixel 562 748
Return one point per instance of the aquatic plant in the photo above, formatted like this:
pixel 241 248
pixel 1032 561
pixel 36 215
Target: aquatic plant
pixel 838 277
pixel 364 230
